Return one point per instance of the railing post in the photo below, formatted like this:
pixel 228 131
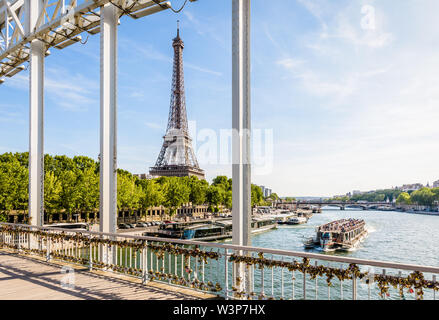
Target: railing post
pixel 282 281
pixel 145 264
pixel 170 267
pixel 48 249
pixel 90 256
pixel 341 287
pixel 293 279
pixel 317 284
pixel 145 278
pixel 304 285
pixel 226 277
pixel 354 287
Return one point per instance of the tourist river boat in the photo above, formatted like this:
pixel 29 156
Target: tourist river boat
pixel 296 221
pixel 345 235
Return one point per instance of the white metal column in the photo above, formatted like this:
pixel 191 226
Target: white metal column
pixel 241 130
pixel 36 115
pixel 108 133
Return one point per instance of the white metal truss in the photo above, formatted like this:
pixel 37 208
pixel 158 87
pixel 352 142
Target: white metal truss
pixel 59 24
pixel 29 28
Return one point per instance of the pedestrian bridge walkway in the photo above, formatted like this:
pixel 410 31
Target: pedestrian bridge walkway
pixel 42 263
pixel 29 278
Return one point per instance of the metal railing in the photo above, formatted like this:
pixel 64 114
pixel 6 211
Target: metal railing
pixel 212 267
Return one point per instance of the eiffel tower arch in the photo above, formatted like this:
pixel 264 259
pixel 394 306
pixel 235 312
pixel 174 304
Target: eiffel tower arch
pixel 177 157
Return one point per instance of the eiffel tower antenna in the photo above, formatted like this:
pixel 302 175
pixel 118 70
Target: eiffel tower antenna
pixel 177 157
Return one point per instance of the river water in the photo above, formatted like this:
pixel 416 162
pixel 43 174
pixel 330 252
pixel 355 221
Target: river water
pixel 393 236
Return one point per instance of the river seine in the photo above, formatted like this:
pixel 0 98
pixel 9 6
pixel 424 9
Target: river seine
pixel 393 236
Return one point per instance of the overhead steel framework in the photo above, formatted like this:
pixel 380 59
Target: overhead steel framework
pixel 56 23
pixel 29 28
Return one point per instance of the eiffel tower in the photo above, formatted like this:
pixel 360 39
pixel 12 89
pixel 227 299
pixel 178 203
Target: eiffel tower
pixel 177 157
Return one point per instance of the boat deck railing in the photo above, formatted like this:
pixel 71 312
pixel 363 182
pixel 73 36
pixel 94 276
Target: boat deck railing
pixel 215 267
pixel 343 226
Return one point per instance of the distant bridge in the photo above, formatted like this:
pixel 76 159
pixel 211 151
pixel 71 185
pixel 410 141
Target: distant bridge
pixel 340 204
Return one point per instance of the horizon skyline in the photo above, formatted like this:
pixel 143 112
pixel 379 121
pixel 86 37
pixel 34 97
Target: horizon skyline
pixel 352 106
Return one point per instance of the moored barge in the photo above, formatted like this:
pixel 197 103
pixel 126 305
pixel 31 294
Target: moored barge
pixel 208 231
pixel 345 235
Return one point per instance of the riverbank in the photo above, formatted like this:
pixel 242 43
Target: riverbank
pixel 428 213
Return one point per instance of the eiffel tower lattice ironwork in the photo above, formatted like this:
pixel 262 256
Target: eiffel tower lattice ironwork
pixel 177 157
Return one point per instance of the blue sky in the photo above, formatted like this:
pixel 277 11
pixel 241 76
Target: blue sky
pixel 350 107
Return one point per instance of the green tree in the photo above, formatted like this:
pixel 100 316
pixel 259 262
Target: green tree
pixel 257 198
pixel 52 192
pixel 88 187
pixel 274 197
pixel 223 182
pixel 404 198
pixel 13 184
pixel 215 196
pixel 176 194
pixel 424 197
pixel 198 191
pixel 69 194
pixel 152 195
pixel 228 201
pixel 127 195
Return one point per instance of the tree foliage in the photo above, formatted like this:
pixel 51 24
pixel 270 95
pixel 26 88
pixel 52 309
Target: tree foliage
pixel 404 198
pixel 423 197
pixel 378 196
pixel 71 185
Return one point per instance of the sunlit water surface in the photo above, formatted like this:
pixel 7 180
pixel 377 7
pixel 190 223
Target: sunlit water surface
pixel 393 236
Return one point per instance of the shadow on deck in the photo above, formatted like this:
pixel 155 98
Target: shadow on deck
pixel 28 278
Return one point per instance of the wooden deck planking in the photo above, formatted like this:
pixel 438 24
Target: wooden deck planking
pixel 31 278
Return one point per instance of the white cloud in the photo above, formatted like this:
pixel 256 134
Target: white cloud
pixel 149 52
pixel 346 30
pixel 359 108
pixel 204 70
pixel 153 125
pixel 290 63
pixel 345 24
pixel 71 91
pixel 11 114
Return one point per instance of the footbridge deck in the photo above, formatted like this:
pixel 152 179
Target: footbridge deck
pixel 30 278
